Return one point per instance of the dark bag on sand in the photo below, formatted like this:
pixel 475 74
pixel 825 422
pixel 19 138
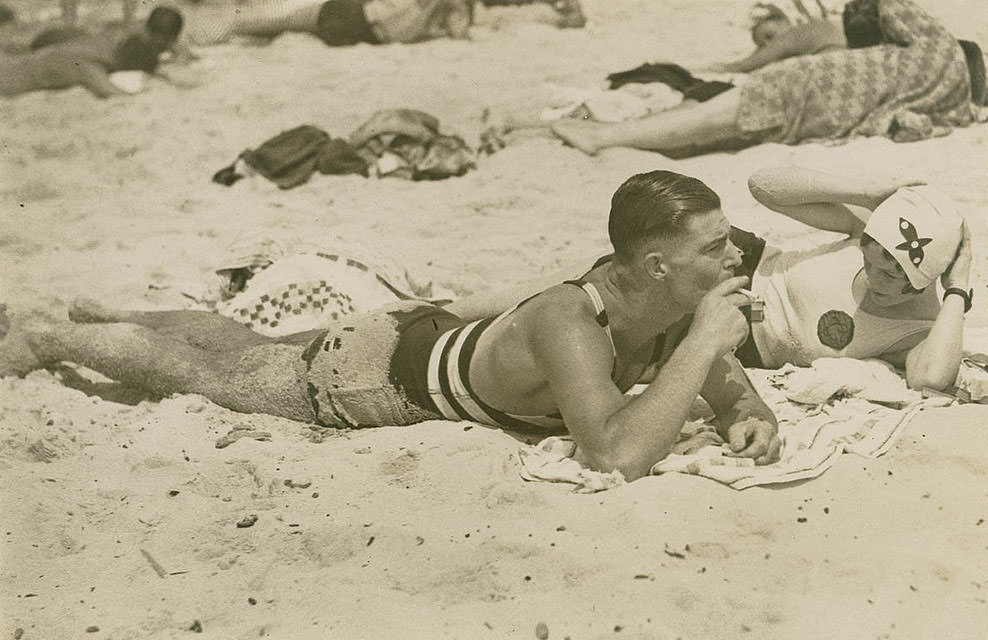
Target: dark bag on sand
pixel 291 157
pixel 673 75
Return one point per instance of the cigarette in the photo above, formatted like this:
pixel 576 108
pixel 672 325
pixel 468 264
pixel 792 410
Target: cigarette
pixel 755 304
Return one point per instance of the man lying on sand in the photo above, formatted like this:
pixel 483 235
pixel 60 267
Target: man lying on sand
pixel 665 309
pixel 88 63
pixel 161 30
pixel 348 22
pixel 912 84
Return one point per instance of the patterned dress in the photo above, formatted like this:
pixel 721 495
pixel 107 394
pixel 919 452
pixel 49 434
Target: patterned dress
pixel 915 87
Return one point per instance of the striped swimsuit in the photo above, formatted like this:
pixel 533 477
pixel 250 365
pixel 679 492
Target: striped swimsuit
pixel 449 365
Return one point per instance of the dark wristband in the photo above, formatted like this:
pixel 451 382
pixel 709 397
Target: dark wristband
pixel 967 295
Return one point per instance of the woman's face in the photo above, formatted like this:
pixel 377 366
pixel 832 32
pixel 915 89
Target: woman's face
pixel 887 282
pixel 768 30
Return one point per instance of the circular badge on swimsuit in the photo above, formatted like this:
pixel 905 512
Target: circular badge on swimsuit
pixel 835 329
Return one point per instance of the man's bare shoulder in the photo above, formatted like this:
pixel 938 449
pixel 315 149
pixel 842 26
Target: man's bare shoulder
pixel 561 311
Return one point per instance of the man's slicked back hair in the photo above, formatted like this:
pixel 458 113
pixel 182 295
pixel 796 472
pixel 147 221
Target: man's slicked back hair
pixel 655 204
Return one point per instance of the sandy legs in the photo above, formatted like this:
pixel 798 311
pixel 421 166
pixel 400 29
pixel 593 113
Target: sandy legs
pixel 273 18
pixel 699 124
pixel 256 375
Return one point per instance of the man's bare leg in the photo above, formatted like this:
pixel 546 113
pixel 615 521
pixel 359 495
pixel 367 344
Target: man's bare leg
pixel 702 124
pixel 202 329
pixel 269 19
pixel 264 378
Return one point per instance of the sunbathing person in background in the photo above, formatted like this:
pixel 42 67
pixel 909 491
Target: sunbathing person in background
pixel 570 12
pixel 88 63
pixel 348 22
pixel 783 31
pixel 161 30
pixel 664 310
pixel 915 86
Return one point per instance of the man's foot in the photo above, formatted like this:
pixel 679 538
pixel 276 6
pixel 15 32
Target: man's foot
pixel 16 356
pixel 580 134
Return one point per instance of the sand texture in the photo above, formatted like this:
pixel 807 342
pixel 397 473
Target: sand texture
pixel 123 516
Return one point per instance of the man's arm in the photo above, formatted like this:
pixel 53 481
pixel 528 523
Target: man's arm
pixel 94 77
pixel 612 431
pixel 744 420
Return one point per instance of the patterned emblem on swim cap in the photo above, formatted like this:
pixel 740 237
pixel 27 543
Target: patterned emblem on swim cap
pixel 913 244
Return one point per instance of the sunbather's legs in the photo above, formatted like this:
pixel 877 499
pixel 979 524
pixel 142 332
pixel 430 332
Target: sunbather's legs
pixel 701 124
pixel 274 18
pixel 202 329
pixel 258 379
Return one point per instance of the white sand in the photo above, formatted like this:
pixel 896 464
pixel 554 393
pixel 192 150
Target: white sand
pixel 428 531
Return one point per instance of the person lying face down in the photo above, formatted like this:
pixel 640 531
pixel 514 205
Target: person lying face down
pixel 913 86
pixel 84 62
pixel 161 32
pixel 349 22
pixel 664 310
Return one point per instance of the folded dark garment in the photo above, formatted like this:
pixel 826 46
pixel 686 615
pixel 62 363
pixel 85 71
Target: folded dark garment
pixel 675 76
pixel 338 157
pixel 290 158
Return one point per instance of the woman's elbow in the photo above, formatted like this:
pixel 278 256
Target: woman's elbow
pixel 931 379
pixel 761 185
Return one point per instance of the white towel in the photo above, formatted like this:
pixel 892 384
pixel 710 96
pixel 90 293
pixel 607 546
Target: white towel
pixel 847 405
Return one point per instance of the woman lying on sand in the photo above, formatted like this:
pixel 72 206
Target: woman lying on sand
pixel 348 22
pixel 665 309
pixel 872 295
pixel 86 62
pixel 914 86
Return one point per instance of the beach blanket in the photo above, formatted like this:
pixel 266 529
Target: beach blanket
pixel 278 284
pixel 914 87
pixel 838 405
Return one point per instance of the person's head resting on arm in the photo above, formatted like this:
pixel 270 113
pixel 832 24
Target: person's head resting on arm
pixel 911 239
pixel 767 23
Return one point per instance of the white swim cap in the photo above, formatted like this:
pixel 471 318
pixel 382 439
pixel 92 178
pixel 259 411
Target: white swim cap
pixel 921 228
